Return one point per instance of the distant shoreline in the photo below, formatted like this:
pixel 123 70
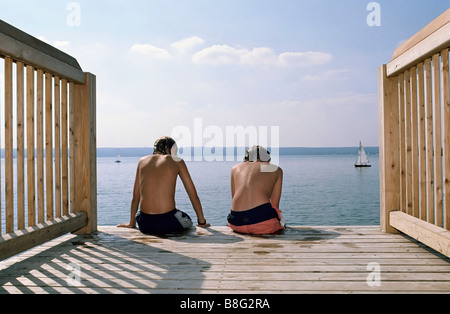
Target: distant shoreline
pixel 283 151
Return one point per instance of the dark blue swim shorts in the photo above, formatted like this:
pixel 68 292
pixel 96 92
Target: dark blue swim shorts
pixel 175 221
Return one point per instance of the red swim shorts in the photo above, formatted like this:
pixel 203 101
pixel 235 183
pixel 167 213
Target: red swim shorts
pixel 261 220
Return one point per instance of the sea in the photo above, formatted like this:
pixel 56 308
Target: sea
pixel 321 187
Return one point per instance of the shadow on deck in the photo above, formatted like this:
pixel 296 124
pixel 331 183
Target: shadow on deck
pixel 299 260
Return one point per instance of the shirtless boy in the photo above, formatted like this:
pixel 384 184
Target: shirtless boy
pixel 154 193
pixel 256 194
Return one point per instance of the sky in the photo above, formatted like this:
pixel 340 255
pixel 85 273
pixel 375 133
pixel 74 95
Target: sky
pixel 304 70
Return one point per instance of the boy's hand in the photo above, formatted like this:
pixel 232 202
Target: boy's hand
pixel 205 225
pixel 126 225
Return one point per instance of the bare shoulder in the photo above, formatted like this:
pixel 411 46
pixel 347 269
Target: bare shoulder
pixel 238 167
pixel 280 171
pixel 176 162
pixel 144 160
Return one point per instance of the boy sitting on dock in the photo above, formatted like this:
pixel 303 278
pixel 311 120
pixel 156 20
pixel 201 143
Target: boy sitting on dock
pixel 154 192
pixel 256 194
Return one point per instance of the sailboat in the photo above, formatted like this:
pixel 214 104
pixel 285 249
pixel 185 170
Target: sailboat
pixel 363 160
pixel 118 161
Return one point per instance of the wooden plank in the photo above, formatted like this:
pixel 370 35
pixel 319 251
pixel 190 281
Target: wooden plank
pixel 414 145
pixel 206 283
pixel 40 147
pixel 422 143
pixel 425 32
pixel 124 261
pixel 23 47
pixel 408 144
pixel 20 77
pixel 31 168
pixel 429 234
pixel 85 150
pixel 19 241
pixel 389 143
pixel 64 148
pixel 1 205
pixel 402 127
pixel 49 145
pixel 432 44
pixel 9 158
pixel 57 100
pixel 437 141
pixel 72 100
pixel 429 141
pixel 140 274
pixel 445 86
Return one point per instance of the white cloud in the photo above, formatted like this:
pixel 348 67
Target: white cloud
pixel 304 59
pixel 224 54
pixel 185 45
pixel 338 74
pixel 218 55
pixel 339 119
pixel 259 56
pixel 150 50
pixel 60 44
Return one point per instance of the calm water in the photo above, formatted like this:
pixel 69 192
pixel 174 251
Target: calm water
pixel 317 190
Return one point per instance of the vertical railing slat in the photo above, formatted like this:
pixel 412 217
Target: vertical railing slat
pixel 414 145
pixel 1 219
pixel 401 104
pixel 429 141
pixel 446 131
pixel 408 154
pixel 9 158
pixel 64 148
pixel 388 92
pixel 31 171
pixel 40 146
pixel 437 141
pixel 49 145
pixel 422 143
pixel 72 144
pixel 85 153
pixel 20 147
pixel 57 144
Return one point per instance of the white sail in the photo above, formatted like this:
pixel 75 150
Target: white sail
pixel 118 161
pixel 362 160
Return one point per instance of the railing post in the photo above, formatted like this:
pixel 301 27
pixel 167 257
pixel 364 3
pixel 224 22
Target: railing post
pixel 389 148
pixel 85 152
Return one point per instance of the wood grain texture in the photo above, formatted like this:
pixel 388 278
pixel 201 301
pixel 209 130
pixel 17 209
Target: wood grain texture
pixel 300 260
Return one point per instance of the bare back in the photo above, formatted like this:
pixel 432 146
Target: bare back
pixel 155 184
pixel 157 178
pixel 252 187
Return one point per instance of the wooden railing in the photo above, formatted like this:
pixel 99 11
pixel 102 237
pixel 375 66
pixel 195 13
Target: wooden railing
pixel 49 115
pixel 414 105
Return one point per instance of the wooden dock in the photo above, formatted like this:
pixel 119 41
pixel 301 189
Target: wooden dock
pixel 300 260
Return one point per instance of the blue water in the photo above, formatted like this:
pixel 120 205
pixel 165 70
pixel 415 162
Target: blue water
pixel 317 190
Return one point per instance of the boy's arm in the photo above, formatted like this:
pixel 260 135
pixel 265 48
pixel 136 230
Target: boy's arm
pixel 233 187
pixel 277 190
pixel 192 193
pixel 134 204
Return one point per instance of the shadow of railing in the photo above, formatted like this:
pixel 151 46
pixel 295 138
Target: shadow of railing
pixel 109 264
